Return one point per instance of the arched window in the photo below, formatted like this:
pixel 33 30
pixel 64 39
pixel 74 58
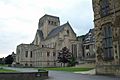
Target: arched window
pixel 107 41
pixel 67 32
pixel 104 5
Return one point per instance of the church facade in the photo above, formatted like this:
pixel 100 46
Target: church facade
pixel 107 36
pixel 50 38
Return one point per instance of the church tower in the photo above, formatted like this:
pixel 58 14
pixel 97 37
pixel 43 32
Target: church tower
pixel 48 23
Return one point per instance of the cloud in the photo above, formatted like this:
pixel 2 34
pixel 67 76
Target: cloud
pixel 19 19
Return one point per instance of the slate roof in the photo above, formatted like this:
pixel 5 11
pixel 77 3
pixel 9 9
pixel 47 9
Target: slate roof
pixel 40 33
pixel 55 31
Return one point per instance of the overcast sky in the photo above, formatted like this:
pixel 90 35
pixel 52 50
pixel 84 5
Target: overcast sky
pixel 19 19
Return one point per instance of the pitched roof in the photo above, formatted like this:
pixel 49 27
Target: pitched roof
pixel 58 29
pixel 46 15
pixel 40 33
pixel 55 31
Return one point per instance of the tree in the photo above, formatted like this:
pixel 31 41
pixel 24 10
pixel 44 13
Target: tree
pixel 72 61
pixel 2 60
pixel 64 55
pixel 9 59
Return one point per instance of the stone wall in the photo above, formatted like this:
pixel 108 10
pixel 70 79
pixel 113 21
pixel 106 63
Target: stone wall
pixel 24 76
pixel 107 61
pixel 108 70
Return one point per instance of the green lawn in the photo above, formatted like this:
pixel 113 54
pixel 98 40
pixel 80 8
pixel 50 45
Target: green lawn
pixel 69 69
pixel 3 65
pixel 6 70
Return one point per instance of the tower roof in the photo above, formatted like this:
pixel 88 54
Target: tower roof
pixel 46 15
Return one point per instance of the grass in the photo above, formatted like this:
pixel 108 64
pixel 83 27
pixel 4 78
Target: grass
pixel 6 70
pixel 69 69
pixel 3 65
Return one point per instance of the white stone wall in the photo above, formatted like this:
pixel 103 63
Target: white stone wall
pixel 21 54
pixel 42 59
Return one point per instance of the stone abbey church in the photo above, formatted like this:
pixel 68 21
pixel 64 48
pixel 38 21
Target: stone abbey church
pixel 49 39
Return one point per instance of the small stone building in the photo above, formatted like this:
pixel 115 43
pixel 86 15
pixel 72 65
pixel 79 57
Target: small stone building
pixel 49 39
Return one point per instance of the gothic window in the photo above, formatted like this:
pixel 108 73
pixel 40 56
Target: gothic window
pixel 107 41
pixel 104 5
pixel 67 32
pixel 26 53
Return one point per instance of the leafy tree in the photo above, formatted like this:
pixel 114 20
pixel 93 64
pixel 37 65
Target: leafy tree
pixel 9 59
pixel 64 55
pixel 72 61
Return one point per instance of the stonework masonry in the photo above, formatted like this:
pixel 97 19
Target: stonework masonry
pixel 107 36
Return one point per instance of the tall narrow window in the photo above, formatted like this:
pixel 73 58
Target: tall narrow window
pixel 74 50
pixel 54 54
pixel 48 54
pixel 107 42
pixel 26 54
pixel 31 54
pixel 67 32
pixel 48 22
pixel 104 5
